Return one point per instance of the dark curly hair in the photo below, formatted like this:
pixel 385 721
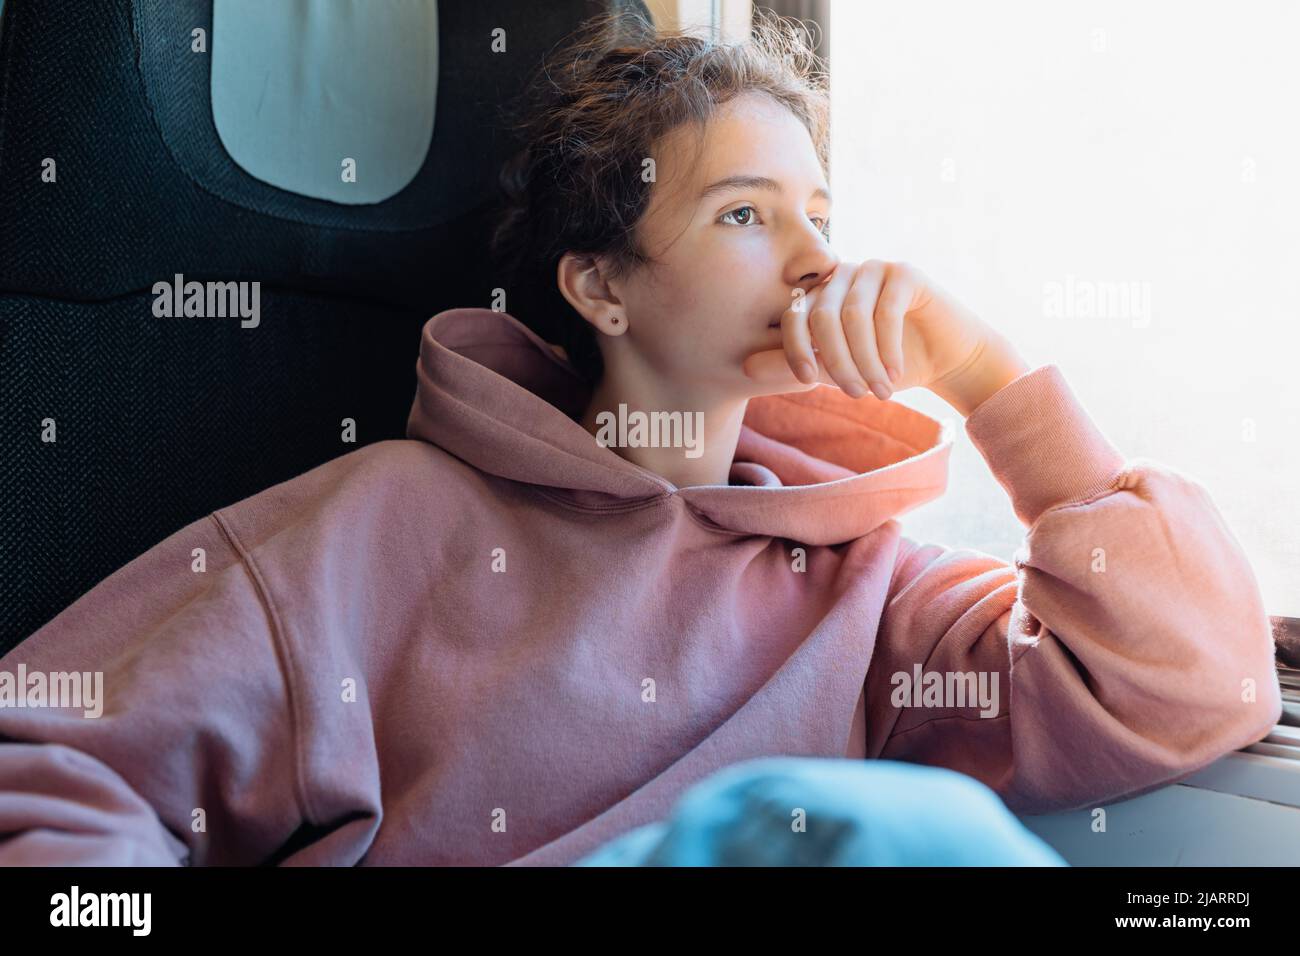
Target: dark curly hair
pixel 589 119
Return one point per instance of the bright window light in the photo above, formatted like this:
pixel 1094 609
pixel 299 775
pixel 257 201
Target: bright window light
pixel 1116 187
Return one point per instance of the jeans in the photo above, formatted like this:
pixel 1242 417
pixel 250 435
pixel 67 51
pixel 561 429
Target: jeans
pixel 821 811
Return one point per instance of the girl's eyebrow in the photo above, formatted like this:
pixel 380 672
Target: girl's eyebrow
pixel 753 182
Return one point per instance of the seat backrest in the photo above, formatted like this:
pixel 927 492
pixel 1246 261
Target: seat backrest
pixel 131 154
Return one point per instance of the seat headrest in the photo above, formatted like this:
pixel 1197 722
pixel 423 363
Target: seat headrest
pixel 332 99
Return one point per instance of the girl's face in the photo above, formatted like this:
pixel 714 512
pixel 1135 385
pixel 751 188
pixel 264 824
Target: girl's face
pixel 732 235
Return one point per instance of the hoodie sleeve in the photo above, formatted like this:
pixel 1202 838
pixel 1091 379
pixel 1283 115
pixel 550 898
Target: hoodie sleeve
pixel 1127 642
pixel 191 758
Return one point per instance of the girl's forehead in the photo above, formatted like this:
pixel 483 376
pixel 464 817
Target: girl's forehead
pixel 733 144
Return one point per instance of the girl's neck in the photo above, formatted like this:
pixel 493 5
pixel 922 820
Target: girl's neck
pixel 699 440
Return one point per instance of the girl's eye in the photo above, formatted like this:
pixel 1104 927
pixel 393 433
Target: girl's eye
pixel 750 210
pixel 740 209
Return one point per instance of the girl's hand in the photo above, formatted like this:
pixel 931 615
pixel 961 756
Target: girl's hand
pixel 883 326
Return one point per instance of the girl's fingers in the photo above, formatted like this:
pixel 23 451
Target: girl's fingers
pixel 797 340
pixel 847 332
pixel 827 326
pixel 891 308
pixel 772 367
pixel 859 326
pixel 833 349
pixel 798 334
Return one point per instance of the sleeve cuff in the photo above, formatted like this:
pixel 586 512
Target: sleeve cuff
pixel 1041 445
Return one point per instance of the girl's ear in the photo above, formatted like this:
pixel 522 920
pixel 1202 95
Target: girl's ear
pixel 581 281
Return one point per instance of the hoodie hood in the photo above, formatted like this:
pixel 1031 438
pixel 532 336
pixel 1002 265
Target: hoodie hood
pixel 815 466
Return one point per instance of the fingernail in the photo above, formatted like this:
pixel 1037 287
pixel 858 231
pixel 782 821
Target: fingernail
pixel 807 371
pixel 855 389
pixel 893 373
pixel 881 390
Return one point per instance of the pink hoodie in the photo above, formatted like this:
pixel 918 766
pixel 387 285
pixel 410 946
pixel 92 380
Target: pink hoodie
pixel 499 642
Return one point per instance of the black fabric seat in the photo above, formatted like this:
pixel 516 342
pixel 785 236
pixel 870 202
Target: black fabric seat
pixel 161 420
